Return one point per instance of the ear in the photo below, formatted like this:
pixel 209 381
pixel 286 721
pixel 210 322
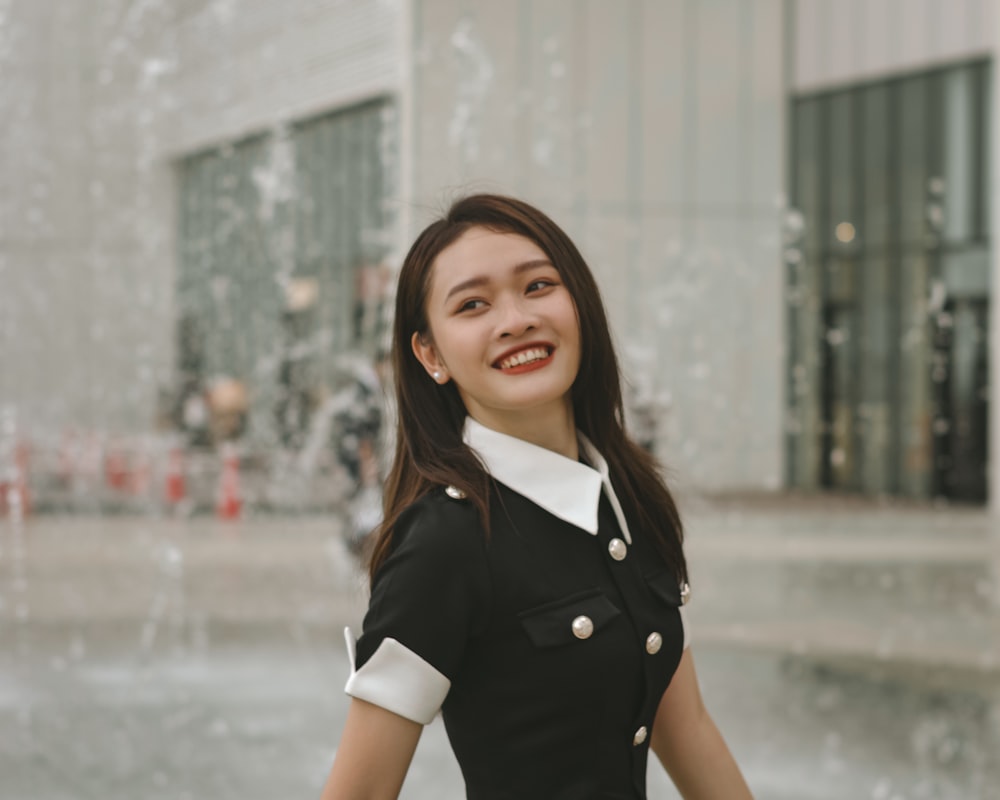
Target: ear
pixel 427 355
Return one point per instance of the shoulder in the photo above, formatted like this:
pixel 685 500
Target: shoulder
pixel 438 559
pixel 439 525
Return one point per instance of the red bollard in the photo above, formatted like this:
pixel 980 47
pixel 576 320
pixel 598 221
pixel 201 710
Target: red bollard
pixel 15 495
pixel 175 488
pixel 230 503
pixel 116 469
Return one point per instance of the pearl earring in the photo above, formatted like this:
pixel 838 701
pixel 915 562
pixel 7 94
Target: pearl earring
pixel 437 376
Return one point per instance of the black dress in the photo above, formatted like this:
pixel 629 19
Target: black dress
pixel 546 647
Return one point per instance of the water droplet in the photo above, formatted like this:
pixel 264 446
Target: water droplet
pixel 845 232
pixel 792 255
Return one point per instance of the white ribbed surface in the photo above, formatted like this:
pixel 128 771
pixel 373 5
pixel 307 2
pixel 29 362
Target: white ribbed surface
pixel 851 40
pixel 653 132
pixel 265 62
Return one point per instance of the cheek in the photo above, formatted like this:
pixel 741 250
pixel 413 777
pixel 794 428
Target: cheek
pixel 571 323
pixel 458 346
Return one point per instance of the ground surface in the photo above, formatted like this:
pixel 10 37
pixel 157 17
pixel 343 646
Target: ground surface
pixel 846 651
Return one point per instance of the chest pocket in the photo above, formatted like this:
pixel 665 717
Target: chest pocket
pixel 569 620
pixel 664 586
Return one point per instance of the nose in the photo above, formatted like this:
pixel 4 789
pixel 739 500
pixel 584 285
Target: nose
pixel 516 318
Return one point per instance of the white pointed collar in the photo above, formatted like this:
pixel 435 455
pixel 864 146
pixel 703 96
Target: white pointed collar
pixel 567 489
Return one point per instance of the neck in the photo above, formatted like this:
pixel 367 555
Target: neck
pixel 553 428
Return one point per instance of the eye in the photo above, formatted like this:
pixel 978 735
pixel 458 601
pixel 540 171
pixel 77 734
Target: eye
pixel 471 305
pixel 539 284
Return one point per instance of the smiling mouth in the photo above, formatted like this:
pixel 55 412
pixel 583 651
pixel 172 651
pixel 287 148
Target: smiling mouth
pixel 528 356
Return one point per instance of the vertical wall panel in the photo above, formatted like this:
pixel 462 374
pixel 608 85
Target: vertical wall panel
pixel 661 81
pixel 492 92
pixel 553 57
pixel 554 60
pixel 764 132
pixel 878 28
pixel 846 42
pixel 841 29
pixel 810 45
pixel 950 28
pixel 720 76
pixel 914 34
pixel 605 110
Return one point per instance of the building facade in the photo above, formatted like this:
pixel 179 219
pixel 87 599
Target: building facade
pixel 786 204
pixel 889 261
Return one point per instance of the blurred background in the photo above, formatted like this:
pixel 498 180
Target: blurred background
pixel 789 206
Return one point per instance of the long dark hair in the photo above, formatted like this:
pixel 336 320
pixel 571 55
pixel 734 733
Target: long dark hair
pixel 430 452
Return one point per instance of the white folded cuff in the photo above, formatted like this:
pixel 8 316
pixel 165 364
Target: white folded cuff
pixel 398 680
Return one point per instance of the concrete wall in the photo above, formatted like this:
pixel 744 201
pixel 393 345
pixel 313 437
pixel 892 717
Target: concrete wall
pixel 846 41
pixel 99 97
pixel 653 132
pixel 241 67
pixel 84 225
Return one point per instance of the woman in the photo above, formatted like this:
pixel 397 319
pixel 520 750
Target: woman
pixel 528 579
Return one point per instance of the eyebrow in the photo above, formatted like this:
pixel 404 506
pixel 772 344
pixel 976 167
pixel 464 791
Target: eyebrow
pixel 482 280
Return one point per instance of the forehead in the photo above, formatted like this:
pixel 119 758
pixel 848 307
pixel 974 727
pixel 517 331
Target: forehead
pixel 481 252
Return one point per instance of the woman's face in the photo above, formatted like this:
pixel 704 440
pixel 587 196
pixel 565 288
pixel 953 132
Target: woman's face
pixel 503 326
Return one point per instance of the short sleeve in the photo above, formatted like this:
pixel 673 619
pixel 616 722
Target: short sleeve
pixel 686 625
pixel 428 598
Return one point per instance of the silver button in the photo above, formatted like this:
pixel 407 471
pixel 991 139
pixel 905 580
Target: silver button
pixel 454 493
pixel 653 643
pixel 640 736
pixel 685 593
pixel 583 627
pixel 617 549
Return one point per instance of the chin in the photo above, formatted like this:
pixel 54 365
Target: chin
pixel 532 400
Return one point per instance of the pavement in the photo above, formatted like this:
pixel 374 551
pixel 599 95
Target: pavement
pixel 914 588
pixel 847 650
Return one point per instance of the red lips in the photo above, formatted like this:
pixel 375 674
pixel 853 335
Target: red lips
pixel 546 346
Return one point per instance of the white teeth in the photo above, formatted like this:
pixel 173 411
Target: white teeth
pixel 534 354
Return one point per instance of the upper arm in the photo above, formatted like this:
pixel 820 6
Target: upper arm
pixel 429 597
pixel 689 745
pixel 374 754
pixel 680 710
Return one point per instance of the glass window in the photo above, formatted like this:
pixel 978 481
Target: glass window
pixel 876 363
pixel 983 132
pixel 274 234
pixel 808 175
pixel 875 177
pixel 888 296
pixel 960 154
pixel 912 155
pixel 842 218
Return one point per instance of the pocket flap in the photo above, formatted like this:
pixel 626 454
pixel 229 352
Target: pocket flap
pixel 665 586
pixel 551 625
